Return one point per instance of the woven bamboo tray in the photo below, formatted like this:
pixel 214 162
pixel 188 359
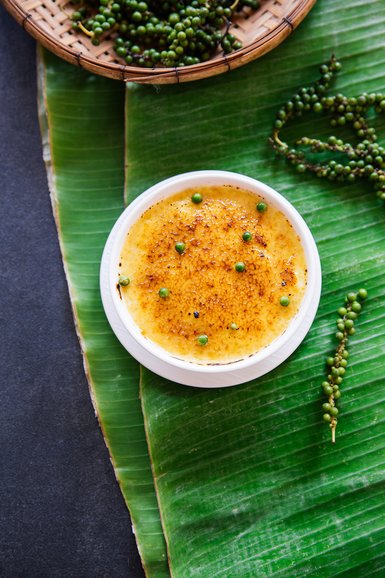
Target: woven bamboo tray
pixel 260 31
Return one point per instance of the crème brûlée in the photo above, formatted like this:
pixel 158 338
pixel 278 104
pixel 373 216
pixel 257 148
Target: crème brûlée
pixel 212 281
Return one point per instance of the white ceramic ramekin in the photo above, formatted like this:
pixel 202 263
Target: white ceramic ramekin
pixel 159 360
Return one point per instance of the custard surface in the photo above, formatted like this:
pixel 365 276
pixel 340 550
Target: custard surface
pixel 207 295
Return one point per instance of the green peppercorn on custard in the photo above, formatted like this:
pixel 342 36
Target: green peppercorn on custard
pixel 124 280
pixel 337 364
pixel 363 160
pixel 202 290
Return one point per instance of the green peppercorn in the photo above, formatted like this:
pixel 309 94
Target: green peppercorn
pixel 234 326
pixel 164 292
pixel 362 293
pixel 180 247
pixel 351 296
pixel 247 236
pixel 284 301
pixel 240 267
pixel 197 198
pixel 351 315
pixel 261 207
pixel 202 339
pixel 326 417
pixel 124 281
pixel 333 411
pixel 328 390
pixel 339 335
pixel 356 307
pixel 326 406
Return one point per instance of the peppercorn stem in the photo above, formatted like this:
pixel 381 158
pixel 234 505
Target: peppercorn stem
pixel 278 140
pixel 84 29
pixel 337 364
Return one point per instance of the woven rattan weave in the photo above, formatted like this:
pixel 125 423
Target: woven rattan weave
pixel 260 31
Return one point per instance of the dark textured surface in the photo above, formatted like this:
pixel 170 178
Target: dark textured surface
pixel 61 511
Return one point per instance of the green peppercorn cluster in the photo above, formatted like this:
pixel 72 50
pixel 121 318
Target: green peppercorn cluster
pixel 337 364
pixel 366 159
pixel 162 33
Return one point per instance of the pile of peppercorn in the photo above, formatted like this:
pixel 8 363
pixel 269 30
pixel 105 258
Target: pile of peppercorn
pixel 171 33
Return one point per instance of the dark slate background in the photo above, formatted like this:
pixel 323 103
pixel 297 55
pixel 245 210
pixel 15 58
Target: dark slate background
pixel 61 511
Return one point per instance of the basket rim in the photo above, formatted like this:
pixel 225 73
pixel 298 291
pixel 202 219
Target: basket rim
pixel 126 73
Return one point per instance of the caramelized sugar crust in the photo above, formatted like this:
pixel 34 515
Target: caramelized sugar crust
pixel 207 294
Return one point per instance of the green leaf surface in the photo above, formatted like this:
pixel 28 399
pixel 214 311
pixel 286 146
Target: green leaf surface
pixel 248 483
pixel 82 123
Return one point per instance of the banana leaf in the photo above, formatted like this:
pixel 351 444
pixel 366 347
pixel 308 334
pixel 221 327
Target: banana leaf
pixel 248 483
pixel 82 125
